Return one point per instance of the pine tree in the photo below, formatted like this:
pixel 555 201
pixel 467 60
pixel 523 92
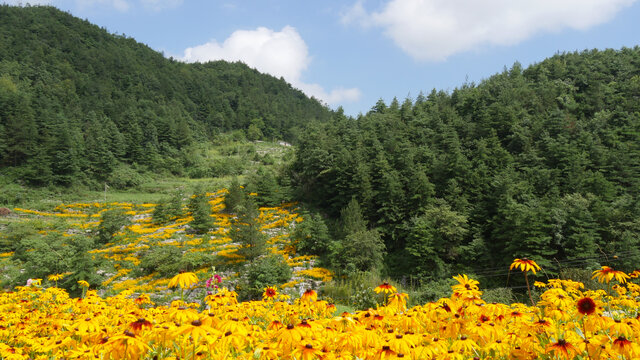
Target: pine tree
pixel 235 197
pixel 245 230
pixel 201 211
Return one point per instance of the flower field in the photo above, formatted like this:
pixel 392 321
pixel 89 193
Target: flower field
pixel 122 257
pixel 567 323
pixel 194 315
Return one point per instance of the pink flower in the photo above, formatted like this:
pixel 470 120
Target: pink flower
pixel 210 281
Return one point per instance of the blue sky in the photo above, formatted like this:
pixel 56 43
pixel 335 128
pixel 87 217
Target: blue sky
pixel 351 53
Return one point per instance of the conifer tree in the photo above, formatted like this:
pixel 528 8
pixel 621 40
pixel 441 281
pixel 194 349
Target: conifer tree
pixel 201 212
pixel 245 230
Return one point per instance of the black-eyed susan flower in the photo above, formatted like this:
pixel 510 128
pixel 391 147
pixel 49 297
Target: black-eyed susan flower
pixel 525 265
pixel 270 292
pixel 307 351
pixel 586 306
pixel 385 288
pixel 310 295
pixel 624 346
pixel 606 274
pixel 184 279
pixel 126 345
pixel 562 349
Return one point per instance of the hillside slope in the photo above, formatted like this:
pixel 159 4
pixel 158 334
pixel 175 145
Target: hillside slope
pixel 542 162
pixel 76 101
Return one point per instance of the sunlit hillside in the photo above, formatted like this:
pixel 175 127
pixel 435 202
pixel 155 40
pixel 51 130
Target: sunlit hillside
pixel 126 262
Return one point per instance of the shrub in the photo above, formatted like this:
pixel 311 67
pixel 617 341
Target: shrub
pixel 266 271
pixel 111 221
pixel 499 295
pixel 54 254
pixel 14 233
pixel 124 177
pixel 161 259
pixel 170 260
pixel 311 236
pixel 168 210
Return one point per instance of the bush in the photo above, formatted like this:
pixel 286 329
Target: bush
pixel 14 233
pixel 362 251
pixel 199 172
pixel 266 271
pixel 168 210
pixel 111 221
pixel 161 259
pixel 432 291
pixel 170 260
pixel 12 194
pixel 55 253
pixel 499 295
pixel 311 236
pixel 234 197
pixel 124 177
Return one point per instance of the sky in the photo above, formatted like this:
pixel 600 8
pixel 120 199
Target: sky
pixel 351 53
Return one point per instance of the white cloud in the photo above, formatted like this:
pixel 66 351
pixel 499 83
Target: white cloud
pixel 279 53
pixel 436 29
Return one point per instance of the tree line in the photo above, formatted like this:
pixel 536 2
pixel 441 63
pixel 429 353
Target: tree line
pixel 542 162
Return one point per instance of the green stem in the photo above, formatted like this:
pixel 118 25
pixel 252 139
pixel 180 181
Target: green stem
pixel 526 279
pixel 584 330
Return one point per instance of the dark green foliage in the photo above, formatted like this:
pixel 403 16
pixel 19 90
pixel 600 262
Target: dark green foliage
pixel 236 196
pixel 311 236
pixel 358 249
pixel 434 241
pixel 53 254
pixel 542 162
pixel 264 183
pixel 77 102
pixel 200 209
pixel 124 176
pixel 111 222
pixel 168 209
pixel 245 230
pixel 266 271
pixel 163 259
pixel 168 261
pixel 15 232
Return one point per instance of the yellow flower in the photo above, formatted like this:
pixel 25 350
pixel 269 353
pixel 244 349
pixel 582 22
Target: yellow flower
pixel 525 265
pixel 126 346
pixel 270 292
pixel 385 288
pixel 56 277
pixel 83 283
pixel 184 280
pixel 606 274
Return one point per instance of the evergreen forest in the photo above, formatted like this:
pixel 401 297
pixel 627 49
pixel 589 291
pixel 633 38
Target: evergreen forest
pixel 79 105
pixel 540 163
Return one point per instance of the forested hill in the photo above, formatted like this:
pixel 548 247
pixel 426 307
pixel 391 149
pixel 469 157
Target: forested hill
pixel 76 101
pixel 542 162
